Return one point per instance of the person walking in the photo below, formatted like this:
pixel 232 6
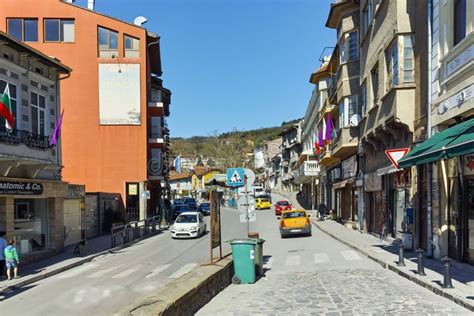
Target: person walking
pixel 3 245
pixel 322 211
pixel 11 259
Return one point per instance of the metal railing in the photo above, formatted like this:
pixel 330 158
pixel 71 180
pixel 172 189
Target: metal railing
pixel 123 234
pixel 16 137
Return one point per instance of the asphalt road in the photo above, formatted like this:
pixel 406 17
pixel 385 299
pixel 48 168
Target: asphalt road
pixel 318 275
pixel 112 281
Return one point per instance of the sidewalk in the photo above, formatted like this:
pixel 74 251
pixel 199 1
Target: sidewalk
pixel 66 260
pixel 386 254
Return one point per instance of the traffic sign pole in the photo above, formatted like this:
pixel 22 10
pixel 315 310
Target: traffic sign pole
pixel 247 205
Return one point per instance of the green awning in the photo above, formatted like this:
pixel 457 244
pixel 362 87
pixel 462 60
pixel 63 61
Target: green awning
pixel 452 142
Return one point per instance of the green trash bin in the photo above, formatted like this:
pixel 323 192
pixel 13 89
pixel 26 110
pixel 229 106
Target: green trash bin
pixel 243 253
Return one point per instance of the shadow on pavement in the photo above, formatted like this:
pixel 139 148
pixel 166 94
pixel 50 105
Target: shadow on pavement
pixel 16 291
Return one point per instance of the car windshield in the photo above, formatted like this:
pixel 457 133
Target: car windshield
pixel 183 208
pixel 186 219
pixel 263 200
pixel 282 203
pixel 294 214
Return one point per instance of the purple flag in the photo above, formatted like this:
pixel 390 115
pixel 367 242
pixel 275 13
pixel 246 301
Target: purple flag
pixel 57 131
pixel 329 128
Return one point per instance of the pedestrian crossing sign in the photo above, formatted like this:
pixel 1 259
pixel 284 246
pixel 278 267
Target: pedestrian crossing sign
pixel 235 177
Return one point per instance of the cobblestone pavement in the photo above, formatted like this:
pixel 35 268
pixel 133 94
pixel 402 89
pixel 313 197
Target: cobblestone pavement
pixel 336 292
pixel 318 275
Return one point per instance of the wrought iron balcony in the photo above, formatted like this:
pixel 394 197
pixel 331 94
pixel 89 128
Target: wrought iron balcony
pixel 17 137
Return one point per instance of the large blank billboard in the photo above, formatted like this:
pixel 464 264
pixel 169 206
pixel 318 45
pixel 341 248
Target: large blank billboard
pixel 119 94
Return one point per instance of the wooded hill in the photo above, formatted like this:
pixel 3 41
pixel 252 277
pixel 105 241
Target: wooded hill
pixel 226 145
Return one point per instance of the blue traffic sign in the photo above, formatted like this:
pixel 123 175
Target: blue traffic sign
pixel 235 177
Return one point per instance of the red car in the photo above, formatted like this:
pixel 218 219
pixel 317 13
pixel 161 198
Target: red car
pixel 282 206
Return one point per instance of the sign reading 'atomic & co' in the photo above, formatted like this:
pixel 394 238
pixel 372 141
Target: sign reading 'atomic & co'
pixel 20 188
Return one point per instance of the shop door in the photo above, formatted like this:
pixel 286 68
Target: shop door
pixel 470 219
pixel 133 201
pixel 72 221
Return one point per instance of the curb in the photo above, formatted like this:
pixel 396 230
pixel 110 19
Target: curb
pixel 454 298
pixel 48 274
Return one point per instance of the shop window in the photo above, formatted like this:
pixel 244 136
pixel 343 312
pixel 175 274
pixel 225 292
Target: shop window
pixel 459 19
pixel 13 102
pixel 108 42
pixel 132 46
pixel 23 29
pixel 59 30
pixel 38 113
pixel 31 225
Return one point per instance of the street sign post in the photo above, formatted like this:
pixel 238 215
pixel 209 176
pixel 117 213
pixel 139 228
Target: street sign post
pixel 395 155
pixel 235 177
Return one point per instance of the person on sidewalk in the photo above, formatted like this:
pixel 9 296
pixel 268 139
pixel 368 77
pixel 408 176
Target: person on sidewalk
pixel 11 258
pixel 322 211
pixel 3 245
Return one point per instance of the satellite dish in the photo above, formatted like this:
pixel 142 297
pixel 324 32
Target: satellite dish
pixel 140 20
pixel 354 121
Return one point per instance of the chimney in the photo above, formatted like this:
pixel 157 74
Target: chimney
pixel 90 4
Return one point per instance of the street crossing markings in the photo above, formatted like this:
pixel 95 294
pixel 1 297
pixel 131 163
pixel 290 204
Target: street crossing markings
pixel 158 270
pixel 126 273
pixel 293 261
pixel 77 271
pixel 320 257
pixel 183 270
pixel 101 273
pixel 350 255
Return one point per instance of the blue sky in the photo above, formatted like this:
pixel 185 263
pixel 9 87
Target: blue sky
pixel 241 64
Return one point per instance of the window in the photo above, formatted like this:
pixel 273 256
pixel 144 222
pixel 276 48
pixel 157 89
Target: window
pixel 38 114
pixel 374 74
pixel 459 21
pixel 31 225
pixel 155 127
pixel 407 59
pixel 349 47
pixel 392 64
pixel 347 110
pixel 57 30
pixel 13 102
pixel 23 29
pixel 108 40
pixel 132 46
pixel 367 16
pixel 363 98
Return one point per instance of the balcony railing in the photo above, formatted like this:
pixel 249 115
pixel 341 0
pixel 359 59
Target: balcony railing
pixel 17 137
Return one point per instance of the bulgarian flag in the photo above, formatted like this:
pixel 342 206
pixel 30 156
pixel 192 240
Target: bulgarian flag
pixel 316 144
pixel 6 108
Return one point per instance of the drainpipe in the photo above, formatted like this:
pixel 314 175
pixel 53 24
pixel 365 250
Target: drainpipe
pixel 429 196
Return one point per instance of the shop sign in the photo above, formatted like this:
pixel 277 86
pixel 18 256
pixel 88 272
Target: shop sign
pixel 133 189
pixel 468 165
pixel 372 182
pixel 20 188
pixel 349 167
pixel 456 100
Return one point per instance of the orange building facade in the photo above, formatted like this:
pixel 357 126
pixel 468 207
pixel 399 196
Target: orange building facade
pixel 114 134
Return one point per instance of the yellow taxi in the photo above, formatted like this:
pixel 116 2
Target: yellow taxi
pixel 294 222
pixel 262 203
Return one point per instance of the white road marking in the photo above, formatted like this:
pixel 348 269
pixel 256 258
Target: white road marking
pixel 350 255
pixel 101 273
pixel 293 261
pixel 268 264
pixel 158 270
pixel 320 257
pixel 126 273
pixel 77 271
pixel 183 270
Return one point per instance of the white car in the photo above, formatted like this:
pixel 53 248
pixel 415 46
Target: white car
pixel 188 225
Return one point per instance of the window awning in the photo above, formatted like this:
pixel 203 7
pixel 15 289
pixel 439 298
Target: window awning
pixel 452 142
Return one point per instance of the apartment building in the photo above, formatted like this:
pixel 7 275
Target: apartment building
pixel 115 136
pixel 341 112
pixel 446 157
pixel 32 192
pixel 290 152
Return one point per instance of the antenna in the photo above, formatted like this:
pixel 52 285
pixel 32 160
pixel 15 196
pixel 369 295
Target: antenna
pixel 140 20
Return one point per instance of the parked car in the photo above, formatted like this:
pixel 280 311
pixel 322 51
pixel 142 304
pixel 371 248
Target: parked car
pixel 261 203
pixel 294 222
pixel 188 225
pixel 282 206
pixel 180 209
pixel 205 208
pixel 191 203
pixel 177 202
